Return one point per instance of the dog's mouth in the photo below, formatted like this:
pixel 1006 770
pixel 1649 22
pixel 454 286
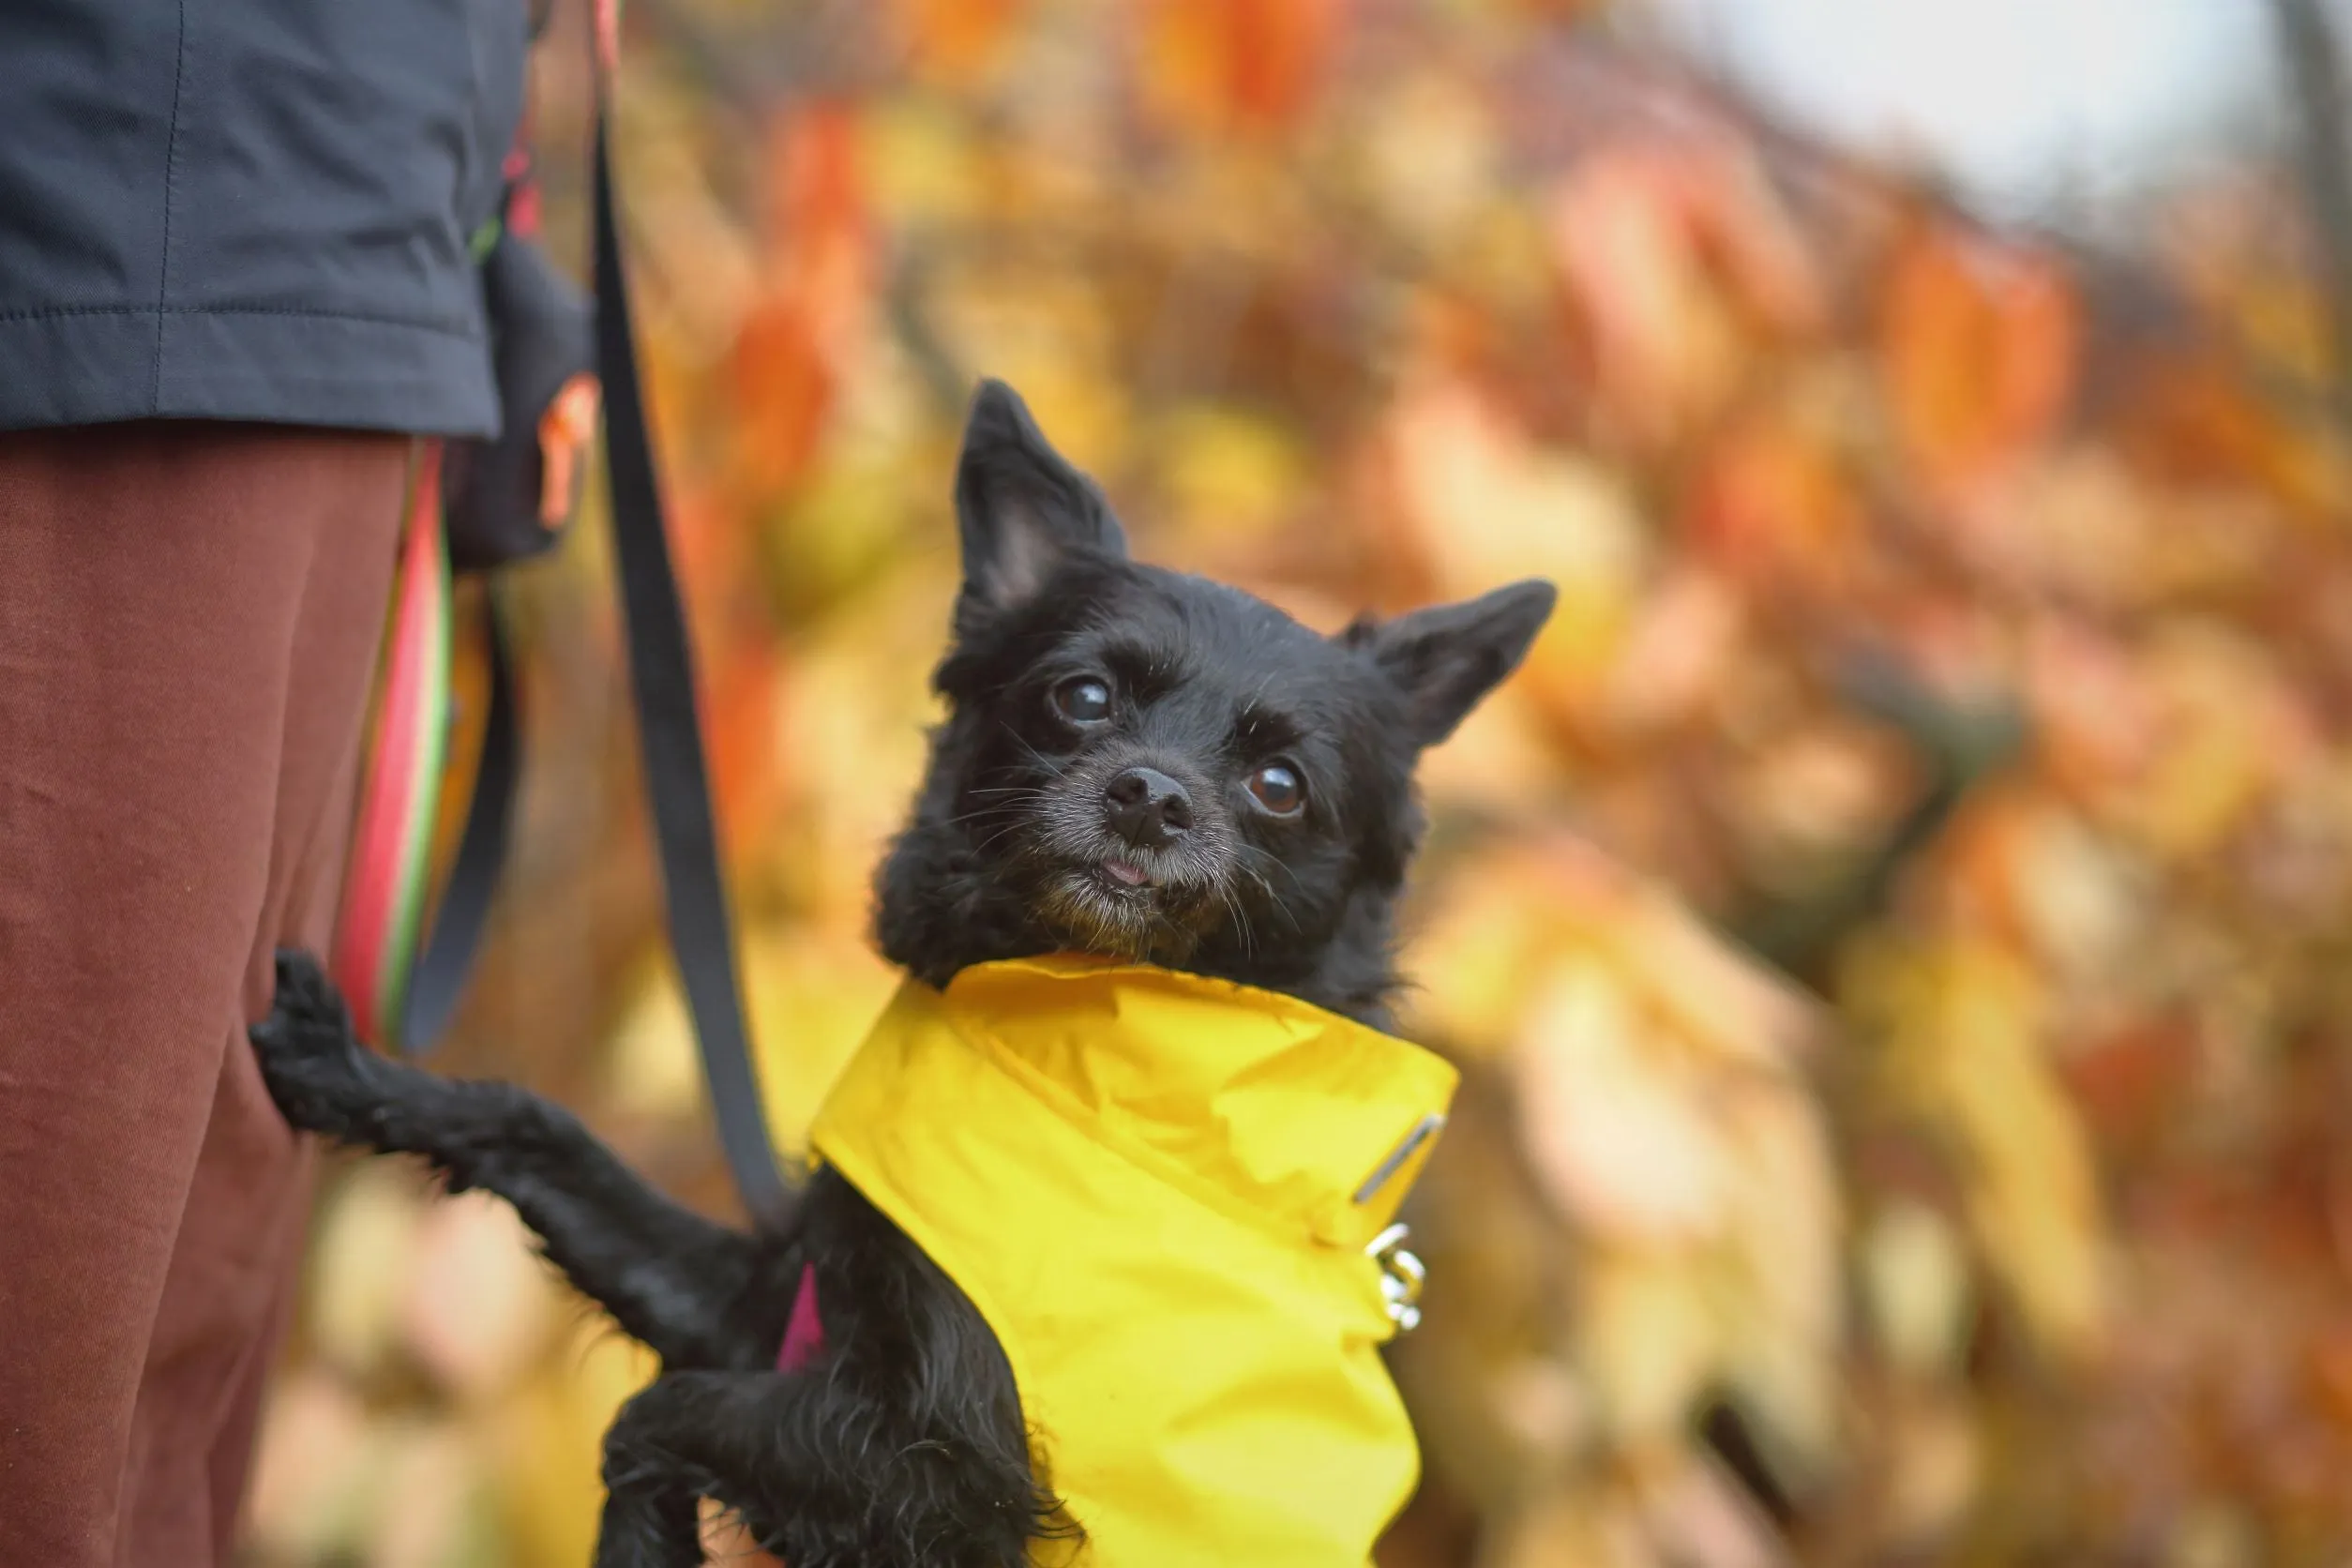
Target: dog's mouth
pixel 1127 906
pixel 1123 876
pixel 1135 883
pixel 1095 891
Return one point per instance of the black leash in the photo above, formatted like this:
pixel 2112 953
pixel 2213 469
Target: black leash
pixel 669 743
pixel 669 733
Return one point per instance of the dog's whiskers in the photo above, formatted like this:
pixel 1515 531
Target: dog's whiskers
pixel 1241 918
pixel 1015 825
pixel 1272 897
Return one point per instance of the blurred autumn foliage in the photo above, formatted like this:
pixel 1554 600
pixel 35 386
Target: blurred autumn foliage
pixel 1922 1093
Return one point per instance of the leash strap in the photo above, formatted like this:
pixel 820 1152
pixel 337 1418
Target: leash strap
pixel 383 910
pixel 402 976
pixel 437 979
pixel 670 737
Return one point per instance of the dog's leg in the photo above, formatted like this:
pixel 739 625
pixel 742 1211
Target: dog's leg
pixel 809 1460
pixel 673 1279
pixel 665 1451
pixel 829 1470
pixel 648 1522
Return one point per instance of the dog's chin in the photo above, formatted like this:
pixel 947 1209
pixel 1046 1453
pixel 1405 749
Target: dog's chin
pixel 1114 909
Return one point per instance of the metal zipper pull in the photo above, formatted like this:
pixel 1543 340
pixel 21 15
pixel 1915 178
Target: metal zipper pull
pixel 1401 1274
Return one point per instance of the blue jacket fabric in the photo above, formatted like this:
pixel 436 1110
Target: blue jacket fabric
pixel 252 210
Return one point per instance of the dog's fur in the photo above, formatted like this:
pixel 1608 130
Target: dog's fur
pixel 1091 789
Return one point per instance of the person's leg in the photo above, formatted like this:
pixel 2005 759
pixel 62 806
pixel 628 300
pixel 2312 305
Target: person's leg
pixel 188 617
pixel 232 1275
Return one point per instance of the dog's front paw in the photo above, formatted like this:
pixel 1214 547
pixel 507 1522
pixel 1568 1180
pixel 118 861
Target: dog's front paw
pixel 316 1067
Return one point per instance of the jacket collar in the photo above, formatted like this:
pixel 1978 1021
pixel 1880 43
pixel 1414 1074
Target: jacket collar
pixel 1258 1101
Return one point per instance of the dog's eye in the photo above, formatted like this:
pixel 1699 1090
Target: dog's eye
pixel 1082 700
pixel 1278 787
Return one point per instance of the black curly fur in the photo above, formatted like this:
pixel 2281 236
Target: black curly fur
pixel 902 1446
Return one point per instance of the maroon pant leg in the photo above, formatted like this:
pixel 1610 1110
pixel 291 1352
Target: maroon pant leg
pixel 189 620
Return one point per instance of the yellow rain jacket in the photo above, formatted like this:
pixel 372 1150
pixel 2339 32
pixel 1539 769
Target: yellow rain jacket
pixel 1165 1194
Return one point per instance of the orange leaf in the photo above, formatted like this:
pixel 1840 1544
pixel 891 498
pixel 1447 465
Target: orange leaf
pixel 1236 65
pixel 820 276
pixel 1641 297
pixel 955 40
pixel 1769 502
pixel 783 390
pixel 1978 346
pixel 2189 423
pixel 740 709
pixel 816 188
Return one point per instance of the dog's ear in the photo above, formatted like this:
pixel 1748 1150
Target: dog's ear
pixel 1445 658
pixel 1020 508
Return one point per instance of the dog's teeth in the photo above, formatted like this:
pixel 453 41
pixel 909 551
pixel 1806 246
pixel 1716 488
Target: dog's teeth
pixel 1133 876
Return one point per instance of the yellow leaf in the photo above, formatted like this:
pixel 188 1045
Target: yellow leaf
pixel 432 1491
pixel 924 162
pixel 307 1469
pixel 1684 635
pixel 2226 735
pixel 1963 1053
pixel 1647 1344
pixel 550 1444
pixel 479 1301
pixel 1784 1286
pixel 1485 506
pixel 809 995
pixel 652 1066
pixel 2080 900
pixel 1475 951
pixel 1054 338
pixel 856 709
pixel 1573 1527
pixel 1612 1129
pixel 1714 997
pixel 1231 474
pixel 1501 760
pixel 1698 1514
pixel 813 996
pixel 1936 1461
pixel 360 1265
pixel 1430 158
pixel 1915 1282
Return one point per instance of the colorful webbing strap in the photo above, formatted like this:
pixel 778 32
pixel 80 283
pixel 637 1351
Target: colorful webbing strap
pixel 403 995
pixel 390 869
pixel 403 969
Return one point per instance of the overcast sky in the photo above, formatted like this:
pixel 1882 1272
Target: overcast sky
pixel 2024 101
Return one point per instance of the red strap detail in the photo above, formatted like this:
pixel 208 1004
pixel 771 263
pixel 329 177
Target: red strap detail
pixel 522 191
pixel 522 212
pixel 609 37
pixel 803 1335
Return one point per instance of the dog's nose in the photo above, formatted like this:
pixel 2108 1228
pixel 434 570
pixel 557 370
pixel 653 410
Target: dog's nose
pixel 1146 807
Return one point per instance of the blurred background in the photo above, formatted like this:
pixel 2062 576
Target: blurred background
pixel 1893 931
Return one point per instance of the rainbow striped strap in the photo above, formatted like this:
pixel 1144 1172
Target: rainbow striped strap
pixel 390 869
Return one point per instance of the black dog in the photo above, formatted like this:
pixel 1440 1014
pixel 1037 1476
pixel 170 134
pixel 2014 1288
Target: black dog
pixel 1135 763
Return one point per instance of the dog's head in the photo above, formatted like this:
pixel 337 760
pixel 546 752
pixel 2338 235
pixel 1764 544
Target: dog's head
pixel 1144 765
